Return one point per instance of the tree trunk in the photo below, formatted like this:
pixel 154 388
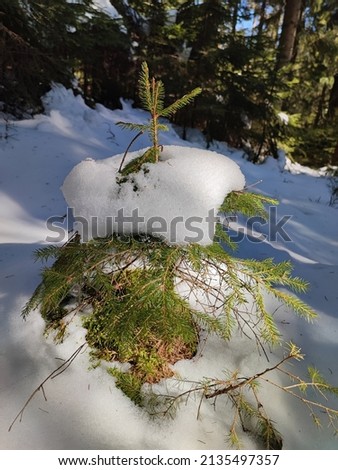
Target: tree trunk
pixel 261 18
pixel 235 18
pixel 292 16
pixel 333 100
pixel 334 160
pixel 319 114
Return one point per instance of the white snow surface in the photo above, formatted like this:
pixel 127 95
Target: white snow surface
pixel 84 409
pixel 178 198
pixel 106 7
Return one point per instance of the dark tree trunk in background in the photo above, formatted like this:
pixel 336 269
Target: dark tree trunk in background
pixel 292 16
pixel 333 104
pixel 261 18
pixel 319 114
pixel 333 100
pixel 235 17
pixel 334 160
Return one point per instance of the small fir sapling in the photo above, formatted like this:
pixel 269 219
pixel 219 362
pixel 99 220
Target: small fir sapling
pixel 138 315
pixel 151 93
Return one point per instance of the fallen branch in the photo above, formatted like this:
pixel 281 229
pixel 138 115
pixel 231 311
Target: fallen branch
pixel 56 372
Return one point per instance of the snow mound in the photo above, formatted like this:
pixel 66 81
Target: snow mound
pixel 177 199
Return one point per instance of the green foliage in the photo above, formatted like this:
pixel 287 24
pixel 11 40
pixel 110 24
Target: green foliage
pixel 208 43
pixel 269 434
pixel 149 156
pixel 312 146
pixel 252 415
pixel 53 41
pixel 22 59
pixel 318 382
pixel 129 384
pixel 151 93
pixel 248 204
pixel 136 309
pixel 237 69
pixel 244 202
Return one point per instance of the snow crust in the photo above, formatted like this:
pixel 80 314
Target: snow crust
pixel 178 198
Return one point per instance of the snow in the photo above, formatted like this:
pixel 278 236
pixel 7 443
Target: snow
pixel 284 118
pixel 106 7
pixel 175 198
pixel 84 409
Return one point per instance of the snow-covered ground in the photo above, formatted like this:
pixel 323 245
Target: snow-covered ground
pixel 84 409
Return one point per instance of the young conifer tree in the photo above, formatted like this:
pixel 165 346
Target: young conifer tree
pixel 151 93
pixel 138 316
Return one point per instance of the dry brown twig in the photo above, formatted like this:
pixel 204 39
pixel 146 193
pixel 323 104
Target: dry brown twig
pixel 235 384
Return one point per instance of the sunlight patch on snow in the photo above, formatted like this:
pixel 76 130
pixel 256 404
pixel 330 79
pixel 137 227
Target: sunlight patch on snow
pixel 293 254
pixel 298 169
pixel 17 226
pixel 60 123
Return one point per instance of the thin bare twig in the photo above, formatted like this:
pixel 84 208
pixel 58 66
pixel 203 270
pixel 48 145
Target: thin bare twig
pixel 56 372
pixel 246 381
pixel 127 150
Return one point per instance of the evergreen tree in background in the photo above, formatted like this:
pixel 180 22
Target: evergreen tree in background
pixel 312 133
pixel 26 66
pixel 41 43
pixel 101 59
pixel 253 59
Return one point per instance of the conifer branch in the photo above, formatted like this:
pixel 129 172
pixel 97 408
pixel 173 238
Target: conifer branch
pixel 234 387
pixel 180 103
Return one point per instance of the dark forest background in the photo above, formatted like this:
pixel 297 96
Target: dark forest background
pixel 268 69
